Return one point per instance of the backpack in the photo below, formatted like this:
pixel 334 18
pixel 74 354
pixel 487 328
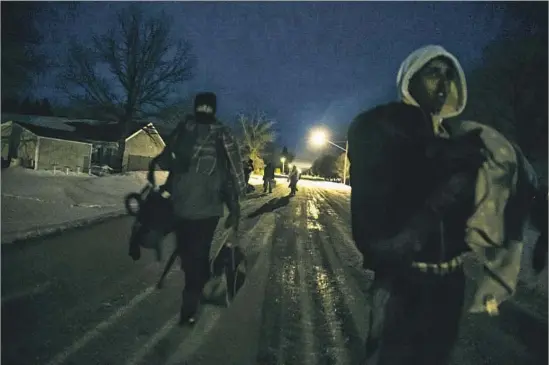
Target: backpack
pixel 534 198
pixel 153 220
pixel 538 218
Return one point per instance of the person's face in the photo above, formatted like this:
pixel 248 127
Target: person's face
pixel 430 86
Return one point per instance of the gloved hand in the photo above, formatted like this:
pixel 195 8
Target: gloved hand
pixel 233 220
pixel 399 249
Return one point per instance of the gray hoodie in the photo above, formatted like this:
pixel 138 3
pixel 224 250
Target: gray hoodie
pixel 493 233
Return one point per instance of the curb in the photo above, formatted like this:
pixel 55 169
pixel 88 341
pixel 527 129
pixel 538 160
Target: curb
pixel 53 229
pixel 9 238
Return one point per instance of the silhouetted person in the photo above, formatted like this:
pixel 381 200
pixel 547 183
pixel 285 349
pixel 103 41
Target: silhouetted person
pixel 268 177
pixel 205 172
pixel 248 169
pixel 293 177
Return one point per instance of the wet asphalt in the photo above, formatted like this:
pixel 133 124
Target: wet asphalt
pixel 77 298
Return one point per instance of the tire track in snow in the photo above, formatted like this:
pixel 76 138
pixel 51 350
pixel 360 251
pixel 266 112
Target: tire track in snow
pixel 279 305
pixel 153 341
pixel 326 294
pixel 192 349
pixel 37 289
pixel 93 333
pixel 306 302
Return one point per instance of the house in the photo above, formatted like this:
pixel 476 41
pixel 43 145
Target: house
pixel 141 145
pixel 43 148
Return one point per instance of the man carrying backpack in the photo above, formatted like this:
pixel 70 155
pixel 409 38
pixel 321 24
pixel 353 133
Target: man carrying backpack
pixel 205 172
pixel 425 192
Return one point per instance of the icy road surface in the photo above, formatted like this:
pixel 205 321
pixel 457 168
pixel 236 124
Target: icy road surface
pixel 77 298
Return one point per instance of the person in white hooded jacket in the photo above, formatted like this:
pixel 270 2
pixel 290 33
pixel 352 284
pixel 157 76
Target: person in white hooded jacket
pixel 417 210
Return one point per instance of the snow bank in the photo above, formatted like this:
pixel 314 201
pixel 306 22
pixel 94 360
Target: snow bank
pixel 41 202
pixel 256 180
pixel 37 202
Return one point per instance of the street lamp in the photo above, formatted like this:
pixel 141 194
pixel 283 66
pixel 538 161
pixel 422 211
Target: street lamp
pixel 283 160
pixel 319 138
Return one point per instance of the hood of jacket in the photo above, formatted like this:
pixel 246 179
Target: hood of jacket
pixel 457 97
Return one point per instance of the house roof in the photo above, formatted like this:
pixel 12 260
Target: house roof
pixel 46 132
pixel 105 132
pixel 82 130
pixel 49 122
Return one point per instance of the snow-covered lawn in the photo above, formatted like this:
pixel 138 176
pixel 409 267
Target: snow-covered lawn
pixel 35 202
pixel 42 201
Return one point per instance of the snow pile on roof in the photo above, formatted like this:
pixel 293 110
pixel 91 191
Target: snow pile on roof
pixel 49 122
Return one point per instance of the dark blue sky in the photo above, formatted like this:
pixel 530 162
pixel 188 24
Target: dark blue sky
pixel 305 63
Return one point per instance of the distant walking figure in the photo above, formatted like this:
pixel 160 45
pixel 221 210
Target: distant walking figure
pixel 268 177
pixel 293 178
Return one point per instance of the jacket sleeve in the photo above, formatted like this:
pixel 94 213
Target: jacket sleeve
pixel 165 158
pixel 235 183
pixel 372 181
pixel 235 159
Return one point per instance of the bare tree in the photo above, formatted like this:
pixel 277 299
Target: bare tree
pixel 257 133
pixel 175 112
pixel 509 92
pixel 130 72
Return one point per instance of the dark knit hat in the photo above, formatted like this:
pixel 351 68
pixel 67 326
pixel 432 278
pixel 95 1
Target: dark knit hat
pixel 205 103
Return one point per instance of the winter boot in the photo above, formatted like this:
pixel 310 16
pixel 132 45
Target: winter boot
pixel 189 307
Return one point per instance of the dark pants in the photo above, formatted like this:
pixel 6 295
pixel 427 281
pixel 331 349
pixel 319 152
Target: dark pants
pixel 194 238
pixel 293 187
pixel 415 319
pixel 267 184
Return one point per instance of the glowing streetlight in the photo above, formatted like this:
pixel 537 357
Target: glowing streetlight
pixel 319 138
pixel 283 160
